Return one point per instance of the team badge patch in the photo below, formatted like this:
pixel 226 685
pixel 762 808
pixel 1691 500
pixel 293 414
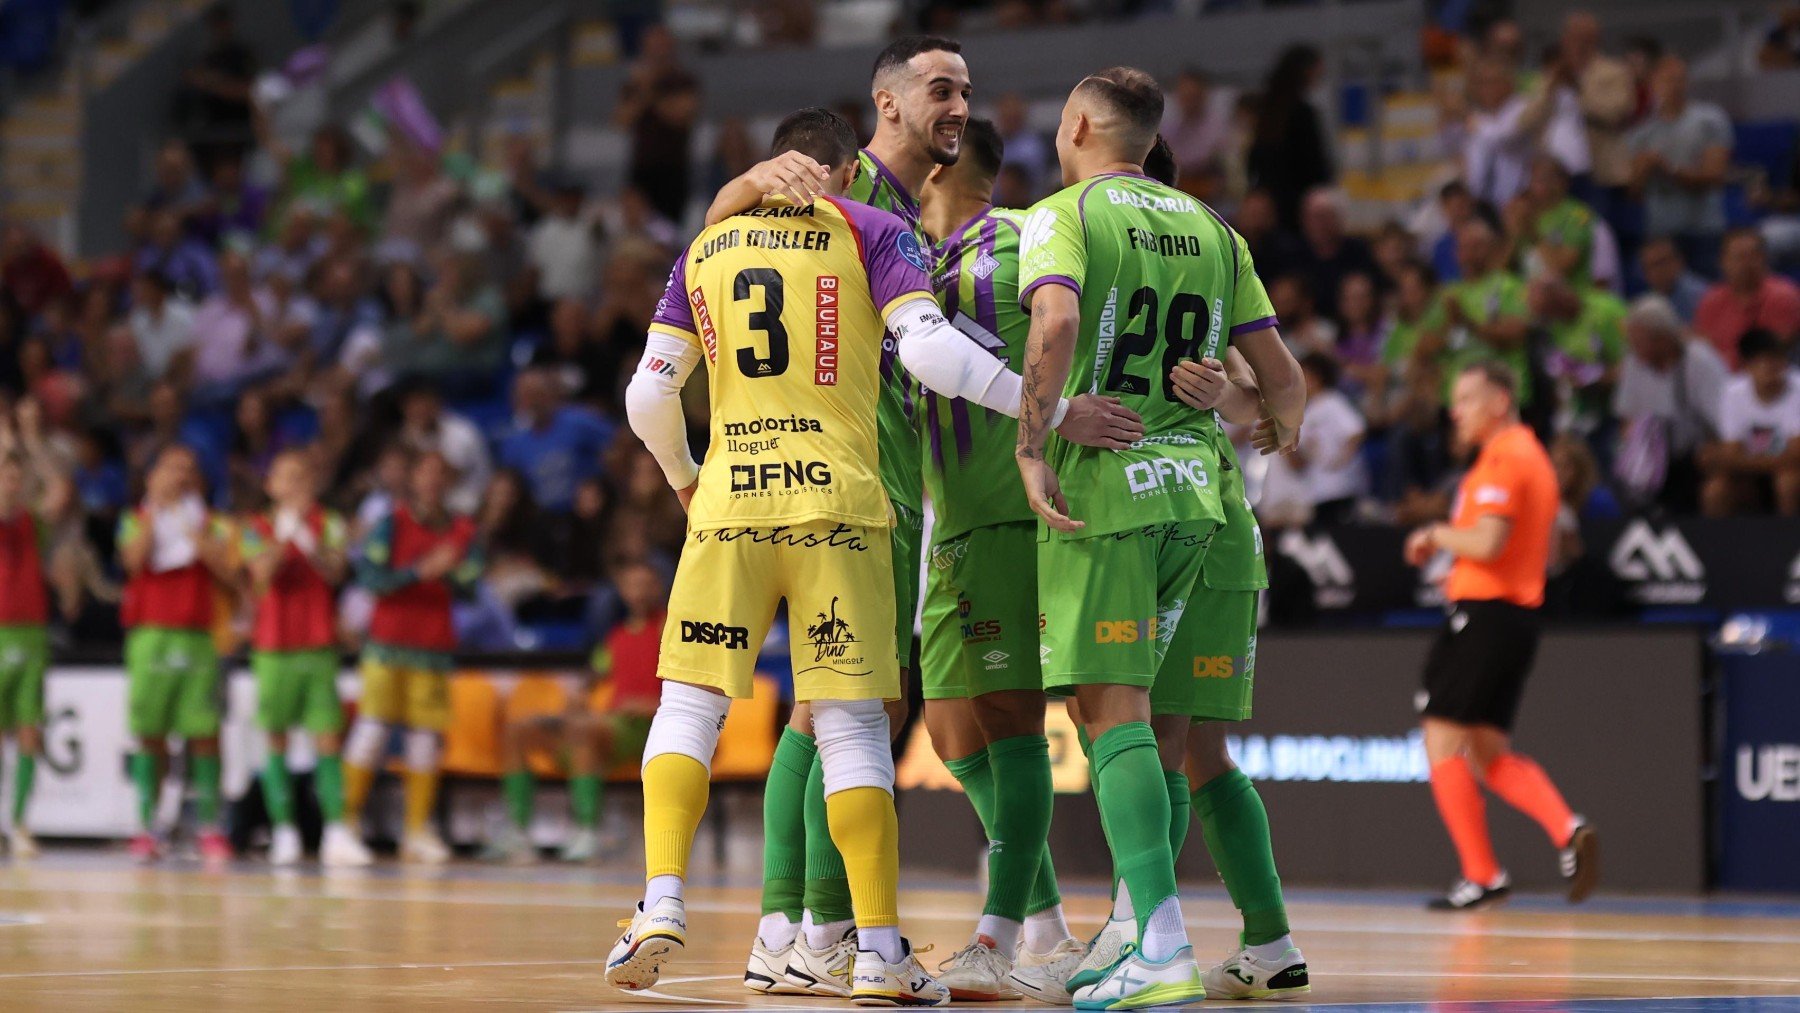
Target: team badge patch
pixel 908 245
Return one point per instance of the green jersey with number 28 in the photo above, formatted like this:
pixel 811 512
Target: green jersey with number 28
pixel 1161 278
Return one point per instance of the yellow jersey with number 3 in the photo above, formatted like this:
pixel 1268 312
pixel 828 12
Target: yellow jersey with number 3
pixel 787 306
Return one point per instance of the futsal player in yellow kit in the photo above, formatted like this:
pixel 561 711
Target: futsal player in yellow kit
pixel 787 305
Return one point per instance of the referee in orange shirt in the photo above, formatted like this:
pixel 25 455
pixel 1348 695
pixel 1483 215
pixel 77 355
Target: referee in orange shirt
pixel 1499 534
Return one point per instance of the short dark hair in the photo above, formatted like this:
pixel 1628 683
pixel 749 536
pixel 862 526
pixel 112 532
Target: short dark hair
pixel 1454 188
pixel 817 133
pixel 1497 374
pixel 981 144
pixel 1132 94
pixel 1159 164
pixel 1743 232
pixel 1758 342
pixel 901 51
pixel 1323 366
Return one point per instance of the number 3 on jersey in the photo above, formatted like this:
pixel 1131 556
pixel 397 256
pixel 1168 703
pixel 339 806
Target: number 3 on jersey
pixel 767 320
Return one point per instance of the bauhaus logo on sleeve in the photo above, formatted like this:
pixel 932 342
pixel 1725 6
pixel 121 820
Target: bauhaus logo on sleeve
pixel 825 354
pixel 1659 564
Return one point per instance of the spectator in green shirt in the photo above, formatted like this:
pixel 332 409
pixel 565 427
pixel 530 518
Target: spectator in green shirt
pixel 1561 235
pixel 1483 315
pixel 1585 328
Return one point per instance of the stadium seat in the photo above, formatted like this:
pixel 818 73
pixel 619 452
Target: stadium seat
pixel 1767 145
pixel 472 743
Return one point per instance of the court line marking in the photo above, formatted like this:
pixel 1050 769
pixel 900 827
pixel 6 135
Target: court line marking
pixel 928 913
pixel 414 965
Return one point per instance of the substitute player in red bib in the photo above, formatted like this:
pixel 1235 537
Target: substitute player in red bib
pixel 1499 534
pixel 294 556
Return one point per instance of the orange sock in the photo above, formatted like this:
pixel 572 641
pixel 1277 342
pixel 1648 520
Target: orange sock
pixel 1524 786
pixel 1464 813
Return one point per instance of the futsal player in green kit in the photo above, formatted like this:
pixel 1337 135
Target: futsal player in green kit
pixel 1125 279
pixel 984 699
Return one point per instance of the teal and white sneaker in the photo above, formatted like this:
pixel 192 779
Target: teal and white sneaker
pixel 652 938
pixel 1136 983
pixel 1243 976
pixel 1103 951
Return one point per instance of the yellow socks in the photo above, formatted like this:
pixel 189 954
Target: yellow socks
pixel 675 790
pixel 357 780
pixel 421 792
pixel 867 834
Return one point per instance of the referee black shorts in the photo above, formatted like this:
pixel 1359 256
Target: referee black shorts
pixel 1475 674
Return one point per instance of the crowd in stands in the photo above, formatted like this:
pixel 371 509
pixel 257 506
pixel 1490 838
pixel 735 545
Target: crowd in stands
pixel 371 305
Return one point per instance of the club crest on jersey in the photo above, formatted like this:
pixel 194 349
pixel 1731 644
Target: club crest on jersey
pixel 984 266
pixel 908 245
pixel 825 358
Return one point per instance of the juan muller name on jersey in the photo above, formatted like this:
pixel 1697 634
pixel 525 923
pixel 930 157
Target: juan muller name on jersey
pixel 765 239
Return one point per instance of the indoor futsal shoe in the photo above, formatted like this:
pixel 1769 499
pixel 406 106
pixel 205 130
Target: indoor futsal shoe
pixel 879 983
pixel 652 938
pixel 340 848
pixel 1580 859
pixel 1105 950
pixel 424 847
pixel 1243 975
pixel 22 845
pixel 823 972
pixel 1133 982
pixel 1468 895
pixel 1044 977
pixel 767 970
pixel 977 973
pixel 284 846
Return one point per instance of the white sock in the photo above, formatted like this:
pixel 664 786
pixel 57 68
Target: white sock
pixel 1164 932
pixel 1003 931
pixel 659 887
pixel 1045 929
pixel 882 939
pixel 1271 951
pixel 776 931
pixel 820 935
pixel 1122 911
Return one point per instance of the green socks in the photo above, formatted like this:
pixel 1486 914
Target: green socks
pixel 1235 827
pixel 1134 804
pixel 206 785
pixel 827 893
pixel 328 782
pixel 584 800
pixel 23 776
pixel 1181 811
pixel 1019 833
pixel 144 775
pixel 784 825
pixel 518 787
pixel 976 775
pixel 278 790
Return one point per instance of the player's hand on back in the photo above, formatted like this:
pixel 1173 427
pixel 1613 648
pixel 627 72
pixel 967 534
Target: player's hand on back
pixel 1045 495
pixel 686 496
pixel 790 174
pixel 1200 385
pixel 1095 420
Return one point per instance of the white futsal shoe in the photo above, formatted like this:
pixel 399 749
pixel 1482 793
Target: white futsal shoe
pixel 1243 975
pixel 340 848
pixel 879 983
pixel 652 938
pixel 823 972
pixel 284 846
pixel 424 847
pixel 1044 977
pixel 1133 982
pixel 767 971
pixel 977 973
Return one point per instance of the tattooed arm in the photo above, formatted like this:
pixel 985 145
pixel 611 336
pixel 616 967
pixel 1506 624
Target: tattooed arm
pixel 1049 353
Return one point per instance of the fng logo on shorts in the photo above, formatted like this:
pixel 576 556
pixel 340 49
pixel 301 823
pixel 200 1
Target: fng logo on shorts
pixel 1124 631
pixel 1164 473
pixel 732 638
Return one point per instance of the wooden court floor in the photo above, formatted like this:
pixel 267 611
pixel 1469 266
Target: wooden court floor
pixel 89 931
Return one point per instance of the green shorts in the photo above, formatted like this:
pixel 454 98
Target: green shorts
pixel 173 683
pixel 981 616
pixel 297 689
pixel 1216 642
pixel 1113 603
pixel 629 734
pixel 24 655
pixel 906 536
